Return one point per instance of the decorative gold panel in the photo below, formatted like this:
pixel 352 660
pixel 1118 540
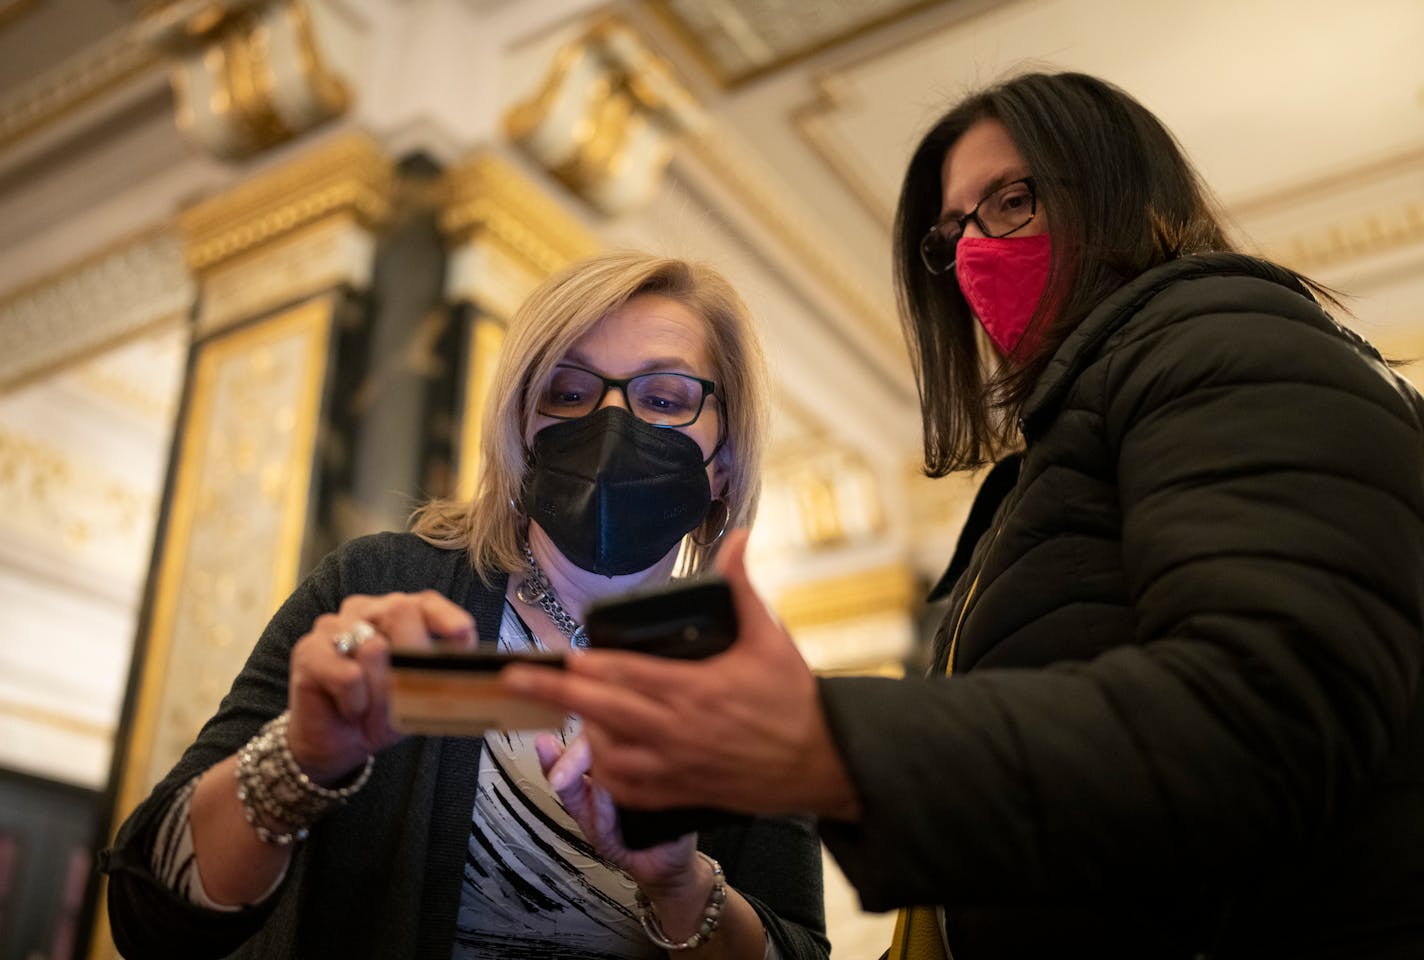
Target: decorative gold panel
pixel 233 538
pixel 486 339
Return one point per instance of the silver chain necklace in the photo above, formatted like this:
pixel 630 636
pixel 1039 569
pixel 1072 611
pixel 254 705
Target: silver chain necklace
pixel 536 590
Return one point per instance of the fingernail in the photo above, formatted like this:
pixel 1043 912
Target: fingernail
pixel 559 779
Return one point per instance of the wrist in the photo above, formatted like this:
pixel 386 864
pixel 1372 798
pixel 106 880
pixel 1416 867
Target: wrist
pixel 684 915
pixel 279 799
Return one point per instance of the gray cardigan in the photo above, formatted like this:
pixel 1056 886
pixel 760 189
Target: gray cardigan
pixel 381 877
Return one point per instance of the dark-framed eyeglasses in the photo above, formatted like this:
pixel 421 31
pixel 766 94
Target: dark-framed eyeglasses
pixel 998 213
pixel 662 399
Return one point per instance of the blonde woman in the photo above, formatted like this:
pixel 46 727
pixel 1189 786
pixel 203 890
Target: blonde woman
pixel 625 430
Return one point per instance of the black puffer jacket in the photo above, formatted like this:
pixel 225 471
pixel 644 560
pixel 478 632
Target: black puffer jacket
pixel 1183 714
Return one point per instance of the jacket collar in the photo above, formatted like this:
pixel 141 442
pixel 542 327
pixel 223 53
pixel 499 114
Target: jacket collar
pixel 1083 345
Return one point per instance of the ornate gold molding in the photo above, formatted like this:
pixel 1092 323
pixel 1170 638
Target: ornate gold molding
pixel 890 589
pixel 487 201
pixel 348 175
pixel 71 84
pixel 104 299
pixel 1403 162
pixel 1376 232
pixel 233 538
pixel 605 119
pixel 1388 218
pixel 825 497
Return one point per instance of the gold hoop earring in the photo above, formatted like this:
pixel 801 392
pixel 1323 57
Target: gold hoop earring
pixel 726 516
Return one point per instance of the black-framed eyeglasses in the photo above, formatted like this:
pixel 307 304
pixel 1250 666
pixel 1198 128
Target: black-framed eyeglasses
pixel 662 399
pixel 998 213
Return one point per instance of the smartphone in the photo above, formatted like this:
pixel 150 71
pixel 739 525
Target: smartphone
pixel 685 621
pixel 458 694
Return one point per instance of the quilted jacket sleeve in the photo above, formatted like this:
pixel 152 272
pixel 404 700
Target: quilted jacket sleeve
pixel 1268 473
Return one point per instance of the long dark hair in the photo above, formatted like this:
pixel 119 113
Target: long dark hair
pixel 1121 198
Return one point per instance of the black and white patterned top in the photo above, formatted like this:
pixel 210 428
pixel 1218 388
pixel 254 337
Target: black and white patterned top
pixel 534 887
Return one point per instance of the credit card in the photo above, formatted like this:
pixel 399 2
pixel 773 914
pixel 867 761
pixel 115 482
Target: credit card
pixel 445 694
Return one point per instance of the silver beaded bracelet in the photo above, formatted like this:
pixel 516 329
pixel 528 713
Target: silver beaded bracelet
pixel 711 914
pixel 273 788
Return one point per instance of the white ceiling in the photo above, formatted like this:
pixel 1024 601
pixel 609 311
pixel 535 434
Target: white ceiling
pixel 1283 104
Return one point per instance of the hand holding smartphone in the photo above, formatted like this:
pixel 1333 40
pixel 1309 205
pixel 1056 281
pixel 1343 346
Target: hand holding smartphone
pixel 687 621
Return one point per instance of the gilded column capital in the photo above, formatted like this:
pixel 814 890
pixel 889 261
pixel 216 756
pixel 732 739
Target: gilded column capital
pixel 505 231
pixel 607 117
pixel 246 74
pixel 349 175
pixel 487 199
pixel 293 231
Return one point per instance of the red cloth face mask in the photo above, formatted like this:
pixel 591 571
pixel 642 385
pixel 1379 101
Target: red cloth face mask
pixel 1003 278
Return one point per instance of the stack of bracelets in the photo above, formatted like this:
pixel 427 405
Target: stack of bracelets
pixel 711 913
pixel 275 792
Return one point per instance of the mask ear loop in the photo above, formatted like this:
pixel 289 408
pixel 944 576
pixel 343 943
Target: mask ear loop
pixel 726 516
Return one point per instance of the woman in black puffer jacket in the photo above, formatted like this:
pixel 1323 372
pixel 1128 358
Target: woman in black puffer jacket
pixel 1182 712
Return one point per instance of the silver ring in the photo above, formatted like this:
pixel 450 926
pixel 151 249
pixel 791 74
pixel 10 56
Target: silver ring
pixel 349 642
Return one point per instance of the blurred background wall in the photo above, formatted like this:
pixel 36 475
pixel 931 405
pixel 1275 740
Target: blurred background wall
pixel 256 257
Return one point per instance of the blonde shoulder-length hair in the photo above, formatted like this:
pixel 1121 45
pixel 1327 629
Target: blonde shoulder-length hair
pixel 560 311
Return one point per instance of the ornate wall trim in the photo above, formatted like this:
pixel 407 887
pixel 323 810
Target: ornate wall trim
pixel 506 232
pixel 862 622
pixel 347 174
pixel 57 720
pixel 1348 215
pixel 85 77
pixel 1373 232
pixel 111 296
pixel 291 232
